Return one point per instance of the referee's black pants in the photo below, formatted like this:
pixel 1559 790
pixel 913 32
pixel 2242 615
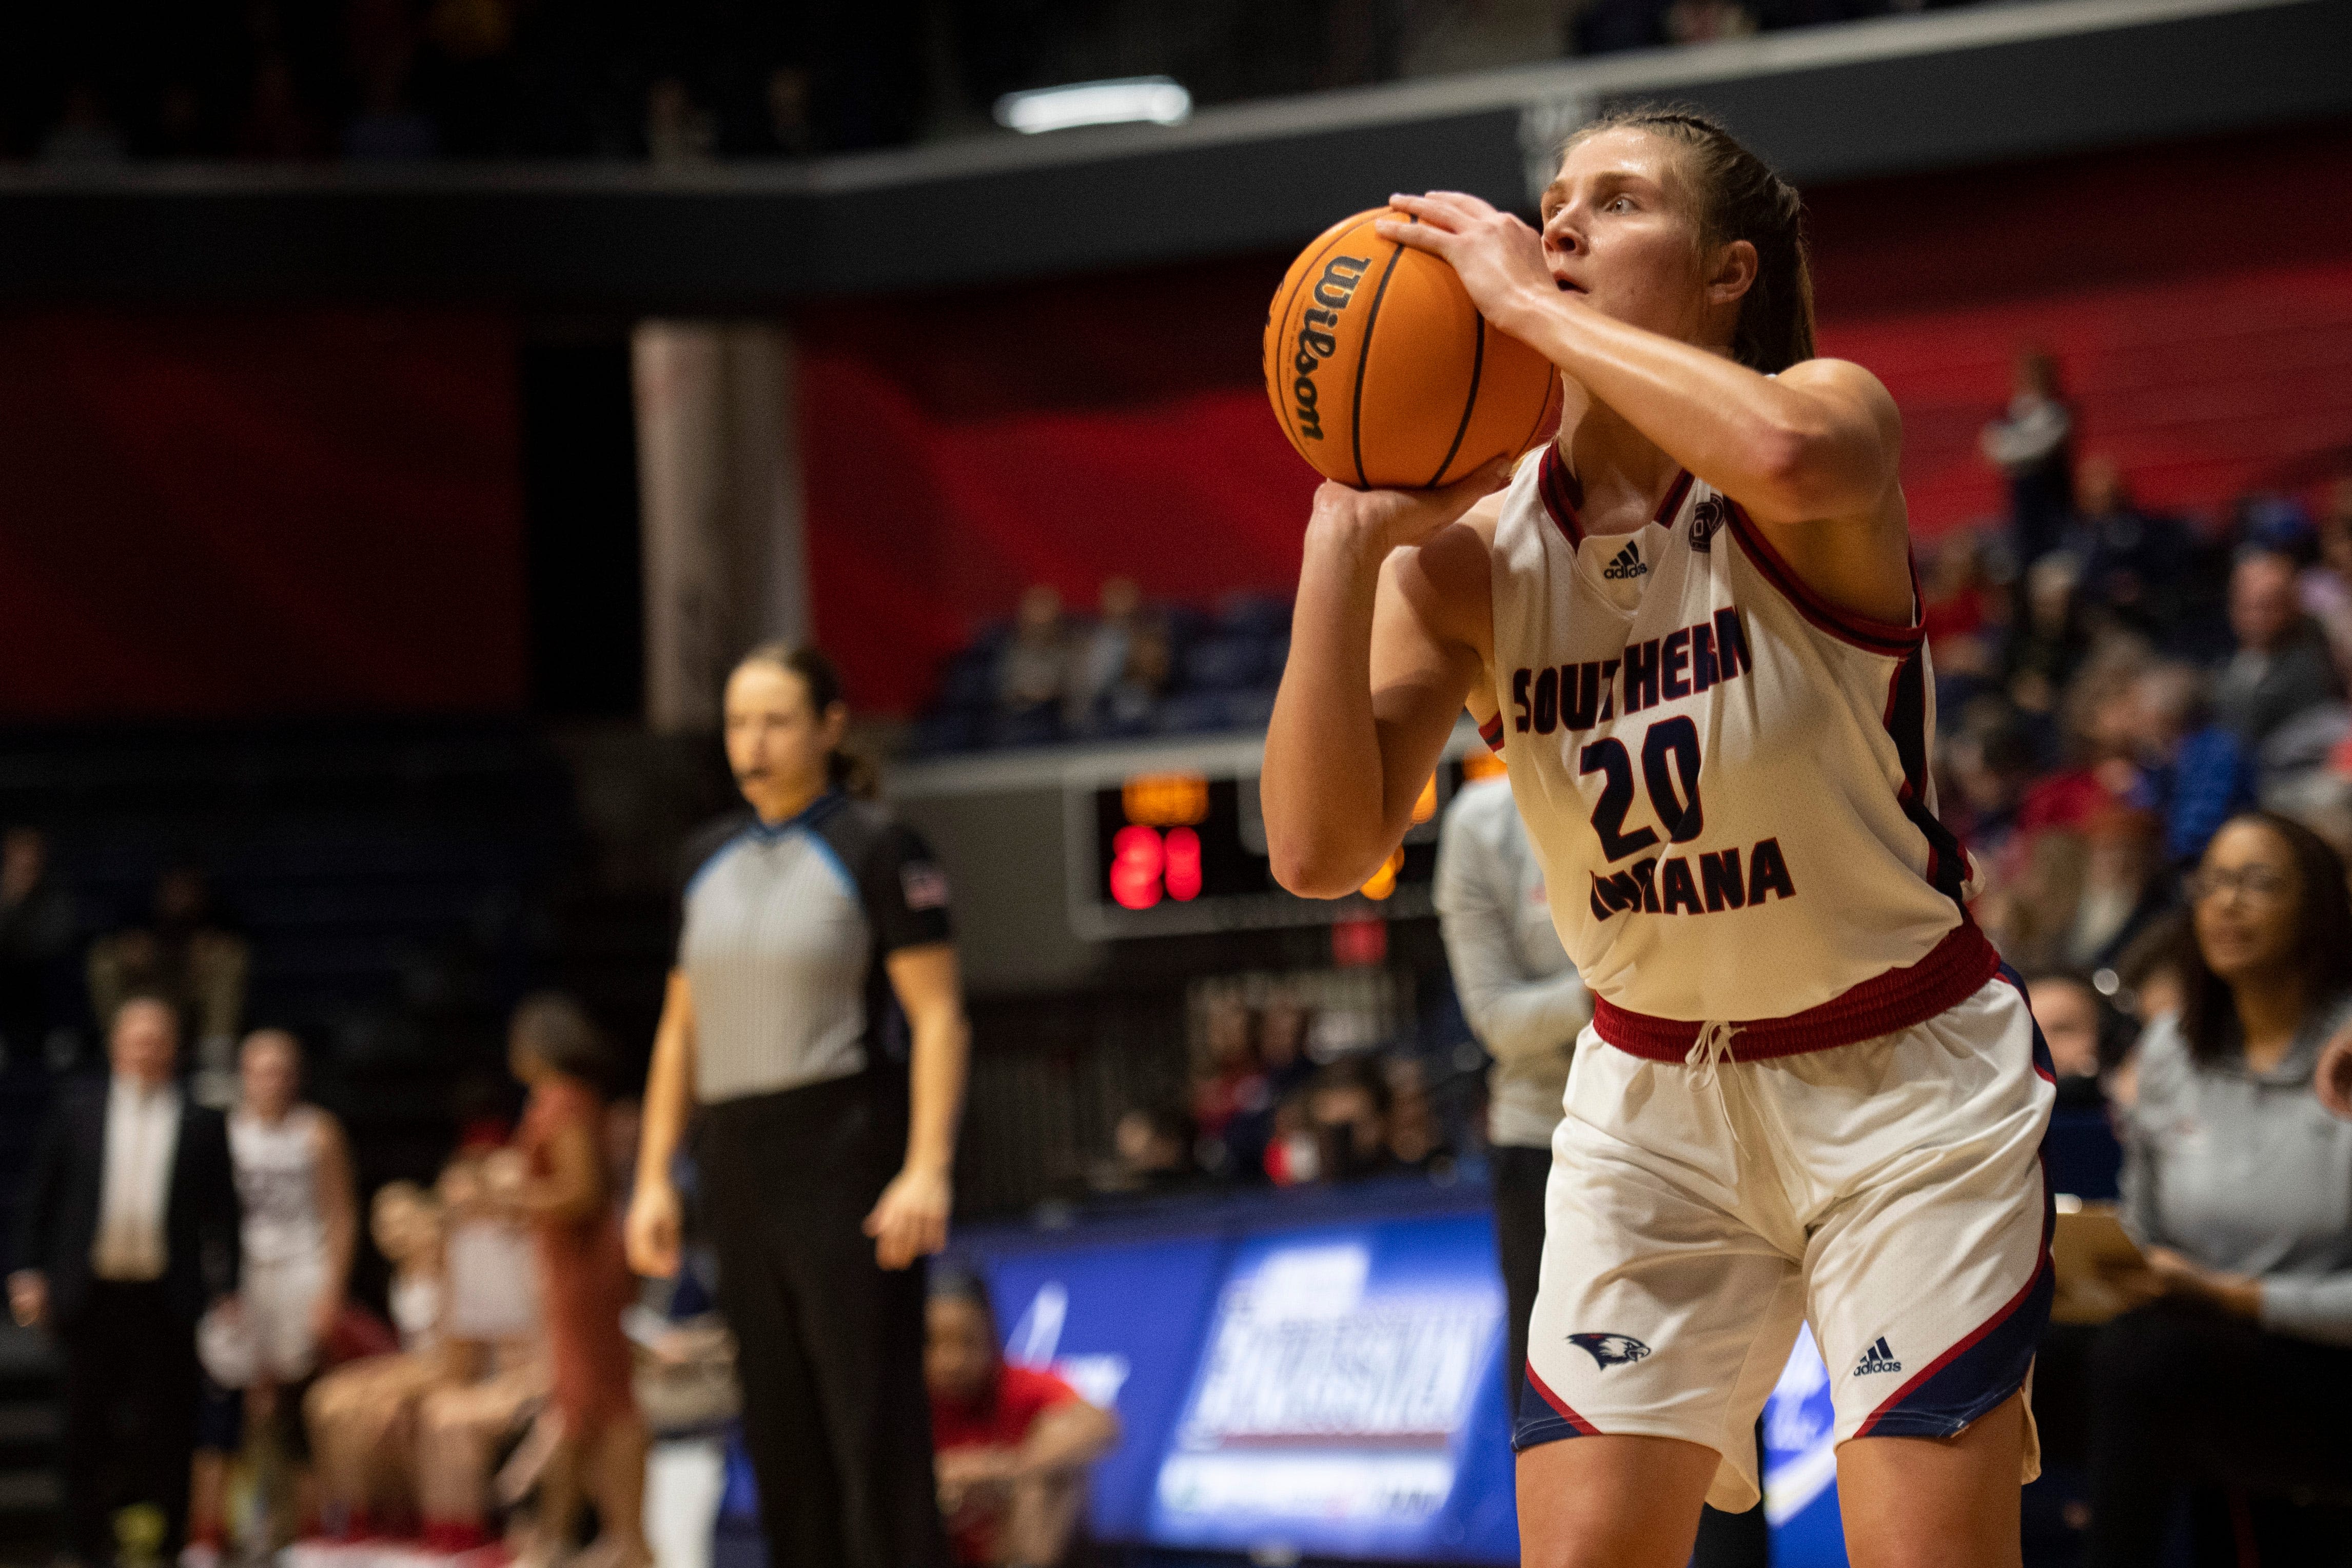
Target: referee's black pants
pixel 829 1345
pixel 1521 1176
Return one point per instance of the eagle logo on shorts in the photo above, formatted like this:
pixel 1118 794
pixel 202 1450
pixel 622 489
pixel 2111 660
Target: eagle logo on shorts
pixel 1609 1349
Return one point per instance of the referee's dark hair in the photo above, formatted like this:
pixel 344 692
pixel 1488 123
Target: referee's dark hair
pixel 557 1030
pixel 848 770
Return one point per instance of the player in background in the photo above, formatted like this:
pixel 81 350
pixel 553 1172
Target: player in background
pixel 1807 1096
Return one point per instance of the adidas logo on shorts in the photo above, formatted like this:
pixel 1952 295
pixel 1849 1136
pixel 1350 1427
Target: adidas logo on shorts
pixel 1877 1358
pixel 1629 563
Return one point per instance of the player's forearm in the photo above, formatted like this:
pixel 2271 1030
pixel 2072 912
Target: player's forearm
pixel 1324 786
pixel 1790 453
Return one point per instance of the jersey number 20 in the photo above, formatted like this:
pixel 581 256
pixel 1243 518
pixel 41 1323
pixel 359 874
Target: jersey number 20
pixel 1669 755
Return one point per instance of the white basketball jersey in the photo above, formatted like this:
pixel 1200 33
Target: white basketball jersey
pixel 278 1184
pixel 1727 780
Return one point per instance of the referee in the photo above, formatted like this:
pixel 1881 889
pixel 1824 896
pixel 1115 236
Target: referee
pixel 815 1019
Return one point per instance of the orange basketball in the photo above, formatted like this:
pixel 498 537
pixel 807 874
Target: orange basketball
pixel 1385 376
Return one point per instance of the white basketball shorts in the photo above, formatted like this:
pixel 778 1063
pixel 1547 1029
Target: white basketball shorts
pixel 1889 1192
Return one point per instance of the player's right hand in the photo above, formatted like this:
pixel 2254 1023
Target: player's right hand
pixel 2334 1078
pixel 1390 518
pixel 656 1219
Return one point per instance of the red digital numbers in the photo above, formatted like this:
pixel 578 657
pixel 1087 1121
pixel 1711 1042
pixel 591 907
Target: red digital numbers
pixel 1143 865
pixel 1183 865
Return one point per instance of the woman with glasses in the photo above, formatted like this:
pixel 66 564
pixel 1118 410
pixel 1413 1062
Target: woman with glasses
pixel 2232 1376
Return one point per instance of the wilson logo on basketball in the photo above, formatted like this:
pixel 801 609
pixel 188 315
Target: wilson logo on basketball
pixel 1316 343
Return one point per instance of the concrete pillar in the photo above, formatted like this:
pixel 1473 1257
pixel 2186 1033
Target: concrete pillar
pixel 718 465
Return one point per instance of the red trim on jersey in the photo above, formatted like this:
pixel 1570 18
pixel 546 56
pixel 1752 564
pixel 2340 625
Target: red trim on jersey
pixel 1584 1428
pixel 1675 495
pixel 1491 732
pixel 1951 973
pixel 1871 636
pixel 1560 493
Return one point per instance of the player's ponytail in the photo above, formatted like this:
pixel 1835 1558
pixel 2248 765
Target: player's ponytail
pixel 845 769
pixel 1739 197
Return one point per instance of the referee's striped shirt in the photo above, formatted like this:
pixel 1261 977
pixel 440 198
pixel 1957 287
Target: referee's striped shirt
pixel 783 933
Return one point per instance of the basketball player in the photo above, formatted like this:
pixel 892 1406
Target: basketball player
pixel 1689 626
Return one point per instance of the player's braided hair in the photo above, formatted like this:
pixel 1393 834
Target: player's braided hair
pixel 1737 196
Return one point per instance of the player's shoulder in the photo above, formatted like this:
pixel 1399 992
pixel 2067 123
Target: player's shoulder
pixel 1845 378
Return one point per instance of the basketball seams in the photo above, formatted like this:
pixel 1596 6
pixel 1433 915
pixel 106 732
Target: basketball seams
pixel 1282 316
pixel 1470 403
pixel 1403 403
pixel 1364 360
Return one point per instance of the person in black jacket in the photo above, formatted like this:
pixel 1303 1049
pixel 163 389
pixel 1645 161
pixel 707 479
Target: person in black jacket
pixel 129 1232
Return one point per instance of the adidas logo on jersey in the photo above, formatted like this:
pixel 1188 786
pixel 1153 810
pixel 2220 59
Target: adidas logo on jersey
pixel 1629 563
pixel 1877 1358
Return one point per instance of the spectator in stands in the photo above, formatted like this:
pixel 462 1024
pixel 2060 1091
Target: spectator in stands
pixel 2325 590
pixel 362 1414
pixel 2133 560
pixel 585 1284
pixel 1349 1109
pixel 1014 1441
pixel 1990 759
pixel 2194 773
pixel 2052 640
pixel 188 957
pixel 301 1227
pixel 1232 1080
pixel 2066 1010
pixel 85 132
pixel 1282 1030
pixel 2238 1187
pixel 1034 671
pixel 127 1233
pixel 1101 654
pixel 2033 445
pixel 2281 667
pixel 37 938
pixel 678 131
pixel 1959 614
pixel 1151 1151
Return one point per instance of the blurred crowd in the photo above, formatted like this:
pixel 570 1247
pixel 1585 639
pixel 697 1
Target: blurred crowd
pixel 375 81
pixel 2114 683
pixel 1135 669
pixel 66 960
pixel 1273 1101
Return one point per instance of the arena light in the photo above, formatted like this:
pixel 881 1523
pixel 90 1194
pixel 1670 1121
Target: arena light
pixel 1152 100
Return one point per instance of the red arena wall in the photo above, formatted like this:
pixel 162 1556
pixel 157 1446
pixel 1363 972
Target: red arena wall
pixel 959 449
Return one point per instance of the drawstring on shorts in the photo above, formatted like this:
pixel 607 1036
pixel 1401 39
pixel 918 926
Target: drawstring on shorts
pixel 1709 1055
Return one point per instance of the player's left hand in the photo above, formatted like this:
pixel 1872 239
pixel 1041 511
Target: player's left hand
pixel 910 1220
pixel 1499 259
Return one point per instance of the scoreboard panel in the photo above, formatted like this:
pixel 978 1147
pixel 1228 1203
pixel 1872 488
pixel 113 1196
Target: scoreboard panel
pixel 1174 851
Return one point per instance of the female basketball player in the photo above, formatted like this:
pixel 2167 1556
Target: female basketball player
pixel 1688 626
